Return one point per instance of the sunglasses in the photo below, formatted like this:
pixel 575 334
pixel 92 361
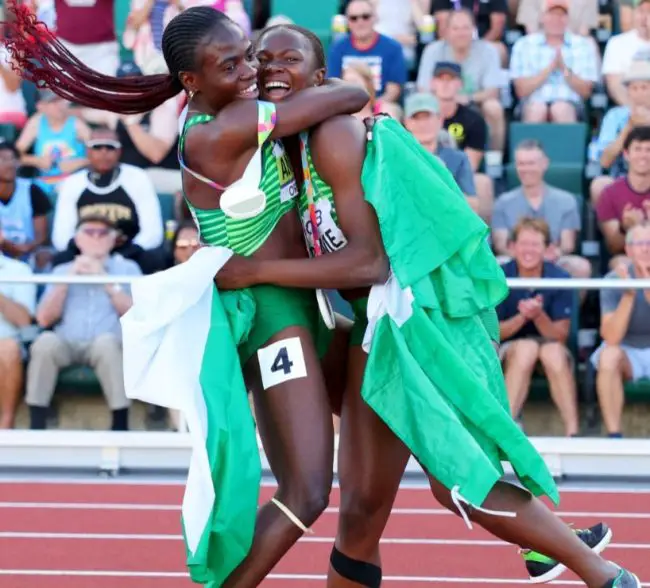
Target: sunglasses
pixel 97 233
pixel 356 17
pixel 107 144
pixel 640 243
pixel 184 243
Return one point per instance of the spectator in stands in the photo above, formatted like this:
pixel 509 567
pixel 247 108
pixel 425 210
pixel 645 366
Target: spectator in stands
pixel 617 124
pixel 23 209
pixel 397 21
pixel 57 138
pixel 535 326
pixel 119 191
pixel 624 354
pixel 13 110
pixel 536 199
pixel 87 29
pixel 490 20
pixel 583 16
pixel 626 15
pixel 85 323
pixel 17 305
pixel 365 44
pixel 621 49
pixel 422 119
pixel 626 202
pixel 466 126
pixel 361 74
pixel 481 71
pixel 148 141
pixel 554 71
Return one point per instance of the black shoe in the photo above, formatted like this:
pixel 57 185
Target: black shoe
pixel 542 569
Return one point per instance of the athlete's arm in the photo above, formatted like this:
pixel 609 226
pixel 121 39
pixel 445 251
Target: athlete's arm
pixel 338 149
pixel 238 121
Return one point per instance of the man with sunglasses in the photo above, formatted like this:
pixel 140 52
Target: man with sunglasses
pixel 624 354
pixel 364 44
pixel 121 192
pixel 85 323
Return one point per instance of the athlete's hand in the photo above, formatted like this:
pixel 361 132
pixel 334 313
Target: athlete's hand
pixel 239 272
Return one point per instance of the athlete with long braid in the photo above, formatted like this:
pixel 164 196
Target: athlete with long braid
pixel 389 410
pixel 242 193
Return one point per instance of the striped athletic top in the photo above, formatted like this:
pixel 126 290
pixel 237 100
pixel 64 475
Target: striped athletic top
pixel 331 237
pixel 245 236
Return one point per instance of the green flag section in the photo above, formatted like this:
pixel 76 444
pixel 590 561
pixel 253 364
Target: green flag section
pixel 231 444
pixel 181 339
pixel 432 373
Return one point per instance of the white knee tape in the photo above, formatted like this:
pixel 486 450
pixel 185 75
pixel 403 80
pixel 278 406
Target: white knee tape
pixel 281 361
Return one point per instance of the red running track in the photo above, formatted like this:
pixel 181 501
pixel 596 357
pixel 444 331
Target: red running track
pixel 70 535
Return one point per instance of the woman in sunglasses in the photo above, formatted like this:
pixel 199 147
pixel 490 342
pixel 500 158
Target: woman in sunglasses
pixel 242 193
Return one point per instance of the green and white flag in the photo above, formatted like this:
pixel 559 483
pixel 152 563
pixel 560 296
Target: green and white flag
pixel 432 372
pixel 180 352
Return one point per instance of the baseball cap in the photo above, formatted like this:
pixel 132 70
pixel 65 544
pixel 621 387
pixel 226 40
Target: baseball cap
pixel 128 69
pixel 551 4
pixel 447 67
pixel 420 102
pixel 95 218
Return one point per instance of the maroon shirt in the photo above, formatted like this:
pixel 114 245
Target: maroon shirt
pixel 84 22
pixel 616 197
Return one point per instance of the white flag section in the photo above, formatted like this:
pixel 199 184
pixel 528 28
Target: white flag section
pixel 164 335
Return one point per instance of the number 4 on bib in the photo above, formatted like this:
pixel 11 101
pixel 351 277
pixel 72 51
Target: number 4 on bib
pixel 281 361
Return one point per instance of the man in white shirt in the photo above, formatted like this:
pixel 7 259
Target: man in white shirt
pixel 17 306
pixel 621 50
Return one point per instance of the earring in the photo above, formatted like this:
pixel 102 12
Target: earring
pixel 191 95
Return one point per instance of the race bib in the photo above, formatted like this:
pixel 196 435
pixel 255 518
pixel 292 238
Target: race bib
pixel 288 186
pixel 331 237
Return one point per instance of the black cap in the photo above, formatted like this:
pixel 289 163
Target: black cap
pixel 447 67
pixel 8 146
pixel 95 218
pixel 128 69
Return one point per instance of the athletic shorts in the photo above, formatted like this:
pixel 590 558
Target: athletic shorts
pixel 277 309
pixel 360 310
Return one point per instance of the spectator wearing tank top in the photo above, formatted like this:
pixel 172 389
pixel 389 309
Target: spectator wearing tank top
pixel 148 141
pixel 13 109
pixel 57 139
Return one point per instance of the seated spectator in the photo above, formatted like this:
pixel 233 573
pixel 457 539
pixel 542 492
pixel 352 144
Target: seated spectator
pixel 624 354
pixel 149 141
pixel 626 202
pixel 490 20
pixel 422 119
pixel 119 191
pixel 479 62
pixel 617 124
pixel 583 16
pixel 365 44
pixel 466 126
pixel 626 14
pixel 554 71
pixel 621 50
pixel 13 110
pixel 57 139
pixel 535 326
pixel 85 323
pixel 17 305
pixel 536 199
pixel 397 21
pixel 23 209
pixel 361 75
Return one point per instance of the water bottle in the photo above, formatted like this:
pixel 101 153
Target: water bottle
pixel 170 230
pixel 427 29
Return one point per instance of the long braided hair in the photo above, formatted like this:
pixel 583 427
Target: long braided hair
pixel 42 59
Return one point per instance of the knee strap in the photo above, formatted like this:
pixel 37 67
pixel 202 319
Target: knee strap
pixel 292 517
pixel 361 572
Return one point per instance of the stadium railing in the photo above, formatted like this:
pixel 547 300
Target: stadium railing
pixel 25 450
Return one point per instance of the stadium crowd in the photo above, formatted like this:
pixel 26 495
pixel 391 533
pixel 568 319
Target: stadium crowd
pixel 539 108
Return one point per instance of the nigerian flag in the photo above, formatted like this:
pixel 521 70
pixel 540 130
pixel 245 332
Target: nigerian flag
pixel 432 373
pixel 180 351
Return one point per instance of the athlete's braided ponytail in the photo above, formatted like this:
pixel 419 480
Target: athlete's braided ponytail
pixel 42 59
